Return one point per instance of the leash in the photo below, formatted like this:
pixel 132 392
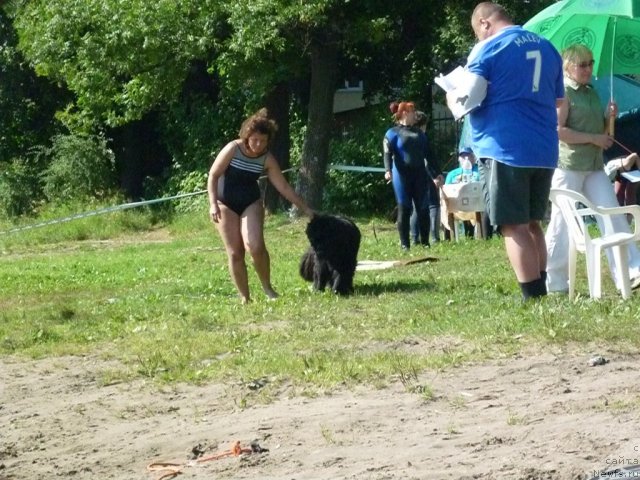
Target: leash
pixel 627 149
pixel 173 469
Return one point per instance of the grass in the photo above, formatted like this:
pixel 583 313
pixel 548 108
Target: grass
pixel 157 299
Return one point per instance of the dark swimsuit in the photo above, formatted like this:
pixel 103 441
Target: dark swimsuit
pixel 238 187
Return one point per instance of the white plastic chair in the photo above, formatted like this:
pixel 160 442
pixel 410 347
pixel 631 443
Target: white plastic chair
pixel 460 202
pixel 574 207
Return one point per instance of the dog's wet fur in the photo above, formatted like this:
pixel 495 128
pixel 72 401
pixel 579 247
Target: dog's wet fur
pixel 332 258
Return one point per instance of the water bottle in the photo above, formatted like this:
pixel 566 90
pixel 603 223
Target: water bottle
pixel 467 170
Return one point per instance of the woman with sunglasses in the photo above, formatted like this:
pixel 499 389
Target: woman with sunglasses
pixel 582 122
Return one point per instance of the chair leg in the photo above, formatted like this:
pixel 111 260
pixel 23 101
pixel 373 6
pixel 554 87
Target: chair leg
pixel 453 227
pixel 479 232
pixel 598 273
pixel 572 271
pixel 621 257
pixel 593 272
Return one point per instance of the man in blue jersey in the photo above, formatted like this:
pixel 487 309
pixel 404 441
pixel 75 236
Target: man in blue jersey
pixel 516 77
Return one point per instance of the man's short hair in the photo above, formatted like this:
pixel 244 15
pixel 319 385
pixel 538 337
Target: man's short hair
pixel 489 9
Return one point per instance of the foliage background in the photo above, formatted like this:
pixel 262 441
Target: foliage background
pixel 165 84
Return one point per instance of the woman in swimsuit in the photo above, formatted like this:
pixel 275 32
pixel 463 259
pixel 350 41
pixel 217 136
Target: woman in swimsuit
pixel 235 201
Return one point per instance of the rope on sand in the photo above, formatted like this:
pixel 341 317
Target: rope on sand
pixel 364 265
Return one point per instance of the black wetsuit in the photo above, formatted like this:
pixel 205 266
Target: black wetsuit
pixel 405 152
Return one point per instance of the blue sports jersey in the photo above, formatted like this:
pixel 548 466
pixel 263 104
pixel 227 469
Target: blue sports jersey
pixel 517 122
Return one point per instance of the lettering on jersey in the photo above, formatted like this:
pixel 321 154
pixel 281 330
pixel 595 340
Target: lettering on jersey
pixel 527 38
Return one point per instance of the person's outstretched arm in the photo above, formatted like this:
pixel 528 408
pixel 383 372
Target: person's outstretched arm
pixel 280 183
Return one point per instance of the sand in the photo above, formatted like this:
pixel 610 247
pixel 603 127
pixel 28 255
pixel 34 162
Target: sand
pixel 540 416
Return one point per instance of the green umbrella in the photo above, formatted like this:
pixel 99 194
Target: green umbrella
pixel 610 28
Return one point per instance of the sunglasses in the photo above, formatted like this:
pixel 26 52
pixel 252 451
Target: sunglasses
pixel 585 64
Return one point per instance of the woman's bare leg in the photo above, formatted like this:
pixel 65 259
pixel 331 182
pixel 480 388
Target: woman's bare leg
pixel 252 228
pixel 229 227
pixel 619 189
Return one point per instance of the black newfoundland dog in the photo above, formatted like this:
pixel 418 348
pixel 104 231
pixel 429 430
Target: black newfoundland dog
pixel 333 255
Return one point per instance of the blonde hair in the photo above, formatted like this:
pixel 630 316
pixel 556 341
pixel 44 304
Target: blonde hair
pixel 574 54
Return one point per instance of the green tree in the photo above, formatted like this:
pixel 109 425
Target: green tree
pixel 81 167
pixel 130 66
pixel 123 59
pixel 120 59
pixel 27 103
pixel 325 41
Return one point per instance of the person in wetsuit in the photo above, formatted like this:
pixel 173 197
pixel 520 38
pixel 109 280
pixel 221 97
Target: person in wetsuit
pixel 235 201
pixel 404 154
pixel 435 180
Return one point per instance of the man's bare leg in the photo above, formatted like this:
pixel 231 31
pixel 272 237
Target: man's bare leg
pixel 527 252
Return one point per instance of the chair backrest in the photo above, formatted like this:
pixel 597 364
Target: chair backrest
pixel 464 197
pixel 574 207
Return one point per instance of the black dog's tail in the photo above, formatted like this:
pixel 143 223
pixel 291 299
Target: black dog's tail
pixel 307 264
